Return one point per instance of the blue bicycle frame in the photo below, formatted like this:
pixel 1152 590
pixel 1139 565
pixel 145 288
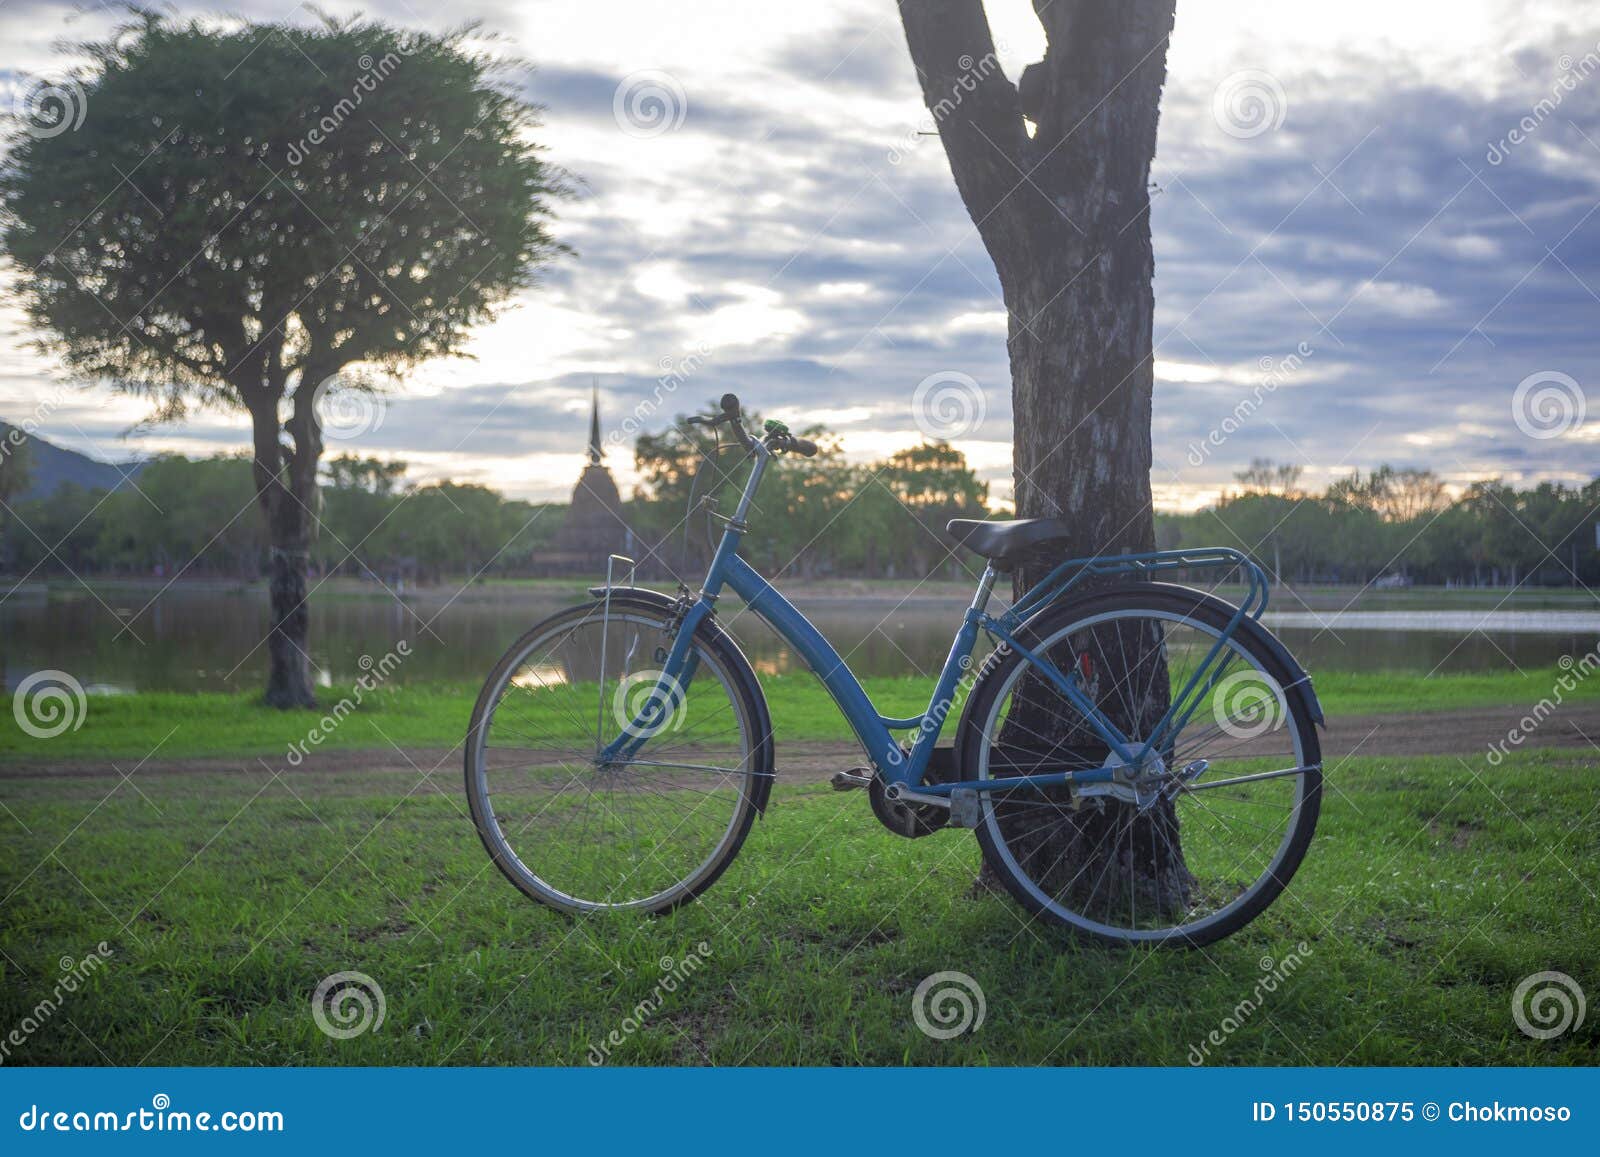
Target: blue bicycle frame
pixel 907 767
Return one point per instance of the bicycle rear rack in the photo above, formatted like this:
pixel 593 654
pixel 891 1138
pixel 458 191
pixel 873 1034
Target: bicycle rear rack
pixel 1069 574
pixel 1060 581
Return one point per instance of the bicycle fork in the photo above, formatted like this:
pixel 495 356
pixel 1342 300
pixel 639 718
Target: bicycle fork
pixel 663 699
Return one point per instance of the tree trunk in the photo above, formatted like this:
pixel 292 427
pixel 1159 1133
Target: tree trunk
pixel 289 677
pixel 1064 214
pixel 286 491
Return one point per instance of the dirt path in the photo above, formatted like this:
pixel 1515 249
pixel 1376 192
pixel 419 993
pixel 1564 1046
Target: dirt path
pixel 1574 727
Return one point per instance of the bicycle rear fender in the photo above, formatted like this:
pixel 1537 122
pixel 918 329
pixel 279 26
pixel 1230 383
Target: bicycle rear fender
pixel 1293 677
pixel 739 666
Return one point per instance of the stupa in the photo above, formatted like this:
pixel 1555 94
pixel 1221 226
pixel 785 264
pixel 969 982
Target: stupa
pixel 594 528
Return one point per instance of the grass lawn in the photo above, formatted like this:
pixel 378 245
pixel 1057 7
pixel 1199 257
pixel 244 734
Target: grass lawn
pixel 1428 894
pixel 133 726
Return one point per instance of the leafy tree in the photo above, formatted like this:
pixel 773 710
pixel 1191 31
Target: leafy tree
pixel 822 516
pixel 1263 476
pixel 247 211
pixel 456 528
pixel 934 476
pixel 934 484
pixel 814 516
pixel 183 519
pixel 71 518
pixel 357 501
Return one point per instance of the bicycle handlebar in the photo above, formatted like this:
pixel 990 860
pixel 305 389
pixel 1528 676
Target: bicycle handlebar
pixel 787 442
pixel 779 440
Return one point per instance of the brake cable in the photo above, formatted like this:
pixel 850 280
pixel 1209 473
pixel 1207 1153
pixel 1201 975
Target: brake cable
pixel 704 459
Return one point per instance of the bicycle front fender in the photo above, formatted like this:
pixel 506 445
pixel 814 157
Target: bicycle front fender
pixel 712 635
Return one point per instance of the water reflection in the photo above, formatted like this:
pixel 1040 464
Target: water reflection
pixel 212 640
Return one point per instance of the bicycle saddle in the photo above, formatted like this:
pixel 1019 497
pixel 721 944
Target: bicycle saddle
pixel 1006 541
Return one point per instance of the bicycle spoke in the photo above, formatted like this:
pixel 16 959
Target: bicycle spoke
pixel 644 830
pixel 1093 858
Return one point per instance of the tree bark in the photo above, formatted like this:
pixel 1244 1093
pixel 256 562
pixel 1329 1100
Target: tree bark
pixel 1064 214
pixel 286 490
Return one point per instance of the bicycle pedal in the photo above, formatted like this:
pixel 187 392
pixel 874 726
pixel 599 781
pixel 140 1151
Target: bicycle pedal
pixel 852 780
pixel 965 809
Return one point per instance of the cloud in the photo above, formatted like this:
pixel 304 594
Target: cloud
pixel 798 239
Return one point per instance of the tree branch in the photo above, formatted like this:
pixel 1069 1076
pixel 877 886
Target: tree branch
pixel 975 109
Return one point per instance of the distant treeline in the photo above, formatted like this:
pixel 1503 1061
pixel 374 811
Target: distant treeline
pixel 816 518
pixel 1402 523
pixel 198 518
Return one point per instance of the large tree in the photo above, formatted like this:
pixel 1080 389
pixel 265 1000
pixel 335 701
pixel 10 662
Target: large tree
pixel 1054 171
pixel 249 215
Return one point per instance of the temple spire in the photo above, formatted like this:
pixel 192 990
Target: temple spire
pixel 594 424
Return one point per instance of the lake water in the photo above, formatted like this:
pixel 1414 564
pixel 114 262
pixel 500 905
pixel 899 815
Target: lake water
pixel 189 639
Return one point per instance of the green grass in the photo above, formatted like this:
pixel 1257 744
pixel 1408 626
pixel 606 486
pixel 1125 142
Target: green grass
pixel 1386 692
pixel 132 726
pixel 224 899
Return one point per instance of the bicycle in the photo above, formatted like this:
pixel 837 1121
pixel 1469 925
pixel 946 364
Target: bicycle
pixel 1139 760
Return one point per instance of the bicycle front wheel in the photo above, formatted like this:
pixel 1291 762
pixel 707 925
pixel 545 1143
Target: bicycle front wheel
pixel 1196 842
pixel 646 829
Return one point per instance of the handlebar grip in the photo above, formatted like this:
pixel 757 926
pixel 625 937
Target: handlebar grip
pixel 730 405
pixel 805 447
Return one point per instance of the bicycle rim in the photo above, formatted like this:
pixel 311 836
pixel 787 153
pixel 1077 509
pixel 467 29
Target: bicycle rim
pixel 1209 859
pixel 646 831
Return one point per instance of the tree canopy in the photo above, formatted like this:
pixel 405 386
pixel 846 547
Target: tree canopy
pixel 241 206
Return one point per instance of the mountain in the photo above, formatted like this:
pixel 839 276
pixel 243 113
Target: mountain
pixel 50 466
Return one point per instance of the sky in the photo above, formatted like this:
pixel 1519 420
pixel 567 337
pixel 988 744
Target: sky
pixel 1377 240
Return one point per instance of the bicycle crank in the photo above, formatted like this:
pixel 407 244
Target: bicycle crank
pixel 903 817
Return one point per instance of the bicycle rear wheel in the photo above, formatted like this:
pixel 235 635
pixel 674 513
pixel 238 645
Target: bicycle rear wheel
pixel 1214 849
pixel 648 829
